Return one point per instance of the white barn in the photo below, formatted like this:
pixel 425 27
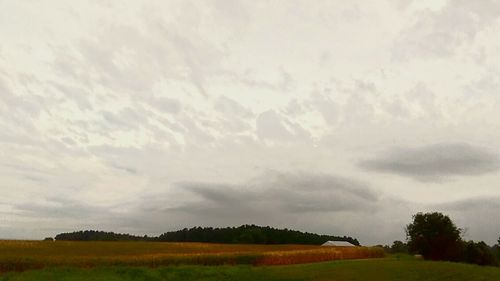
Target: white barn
pixel 338 243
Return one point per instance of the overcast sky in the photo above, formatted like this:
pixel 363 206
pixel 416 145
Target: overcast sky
pixel 337 117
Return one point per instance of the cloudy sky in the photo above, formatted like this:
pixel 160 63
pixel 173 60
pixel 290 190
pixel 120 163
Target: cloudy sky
pixel 337 117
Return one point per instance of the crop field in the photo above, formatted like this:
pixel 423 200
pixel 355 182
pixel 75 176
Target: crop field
pixel 24 255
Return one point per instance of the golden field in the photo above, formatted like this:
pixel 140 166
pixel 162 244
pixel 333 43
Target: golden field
pixel 23 255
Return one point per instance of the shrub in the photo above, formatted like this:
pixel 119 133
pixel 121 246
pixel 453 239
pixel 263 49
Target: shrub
pixel 478 253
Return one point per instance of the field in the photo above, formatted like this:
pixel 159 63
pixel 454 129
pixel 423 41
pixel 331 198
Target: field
pixel 387 269
pixel 38 260
pixel 25 255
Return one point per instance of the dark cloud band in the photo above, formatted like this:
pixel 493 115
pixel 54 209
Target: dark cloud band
pixel 435 162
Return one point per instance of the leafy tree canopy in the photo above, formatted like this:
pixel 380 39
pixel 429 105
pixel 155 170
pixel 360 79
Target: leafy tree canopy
pixel 434 236
pixel 478 253
pixel 399 247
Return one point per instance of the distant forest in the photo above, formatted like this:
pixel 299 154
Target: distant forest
pixel 245 234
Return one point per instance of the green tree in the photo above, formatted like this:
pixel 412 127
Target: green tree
pixel 498 249
pixel 435 237
pixel 399 247
pixel 478 253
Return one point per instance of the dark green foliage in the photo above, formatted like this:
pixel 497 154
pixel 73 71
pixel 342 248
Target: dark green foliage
pixel 496 250
pixel 435 237
pixel 93 235
pixel 498 245
pixel 48 239
pixel 399 247
pixel 245 234
pixel 478 253
pixel 386 248
pixel 251 234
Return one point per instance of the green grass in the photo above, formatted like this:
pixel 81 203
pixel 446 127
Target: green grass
pixel 389 269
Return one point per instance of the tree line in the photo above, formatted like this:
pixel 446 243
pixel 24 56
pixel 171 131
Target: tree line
pixel 245 234
pixel 436 237
pixel 95 235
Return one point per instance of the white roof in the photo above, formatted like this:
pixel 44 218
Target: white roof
pixel 338 243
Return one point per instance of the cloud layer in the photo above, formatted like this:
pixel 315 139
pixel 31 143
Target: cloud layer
pixel 281 193
pixel 436 162
pixel 149 116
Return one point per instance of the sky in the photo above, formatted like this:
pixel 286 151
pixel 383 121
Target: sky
pixel 335 117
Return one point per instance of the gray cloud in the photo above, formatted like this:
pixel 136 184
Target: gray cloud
pixel 302 200
pixel 437 34
pixel 77 95
pixel 20 109
pixel 326 106
pixel 471 204
pixel 435 162
pixel 281 193
pixel 199 57
pixel 232 116
pixel 124 168
pixel 272 126
pixel 60 208
pixel 310 201
pixel 285 84
pixel 474 215
pixel 56 214
pixel 165 104
pixel 230 107
pixel 4 91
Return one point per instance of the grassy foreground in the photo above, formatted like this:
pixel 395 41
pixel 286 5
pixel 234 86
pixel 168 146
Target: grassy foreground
pixel 388 269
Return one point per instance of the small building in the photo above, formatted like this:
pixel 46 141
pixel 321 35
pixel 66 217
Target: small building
pixel 338 244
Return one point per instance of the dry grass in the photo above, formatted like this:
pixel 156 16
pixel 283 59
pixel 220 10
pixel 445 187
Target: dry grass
pixel 319 255
pixel 22 255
